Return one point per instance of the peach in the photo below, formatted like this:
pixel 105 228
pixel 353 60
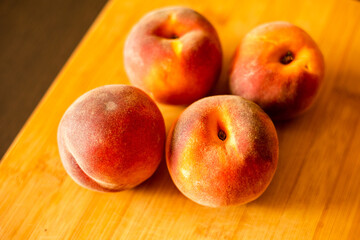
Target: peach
pixel 278 66
pixel 174 55
pixel 111 138
pixel 222 150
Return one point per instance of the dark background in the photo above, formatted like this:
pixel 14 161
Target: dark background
pixel 36 39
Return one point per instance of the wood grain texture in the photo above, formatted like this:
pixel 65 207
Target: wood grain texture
pixel 315 193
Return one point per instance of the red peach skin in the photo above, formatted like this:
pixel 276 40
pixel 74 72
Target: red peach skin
pixel 111 138
pixel 278 66
pixel 174 55
pixel 223 150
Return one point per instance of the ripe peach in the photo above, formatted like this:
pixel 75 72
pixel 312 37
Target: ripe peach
pixel 223 150
pixel 278 66
pixel 174 54
pixel 111 138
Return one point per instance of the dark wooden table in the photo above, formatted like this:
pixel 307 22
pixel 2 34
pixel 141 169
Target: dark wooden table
pixel 36 39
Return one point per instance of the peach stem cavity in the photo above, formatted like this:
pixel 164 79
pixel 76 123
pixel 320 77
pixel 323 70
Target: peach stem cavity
pixel 221 135
pixel 287 58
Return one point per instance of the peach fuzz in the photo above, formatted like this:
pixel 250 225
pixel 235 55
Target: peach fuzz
pixel 111 138
pixel 278 66
pixel 222 150
pixel 174 55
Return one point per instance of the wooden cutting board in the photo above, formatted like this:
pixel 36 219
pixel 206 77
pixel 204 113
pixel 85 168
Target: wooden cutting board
pixel 315 192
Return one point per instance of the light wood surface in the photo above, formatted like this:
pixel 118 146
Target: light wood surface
pixel 315 192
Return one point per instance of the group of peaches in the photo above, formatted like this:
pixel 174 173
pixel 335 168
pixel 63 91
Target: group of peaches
pixel 222 150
